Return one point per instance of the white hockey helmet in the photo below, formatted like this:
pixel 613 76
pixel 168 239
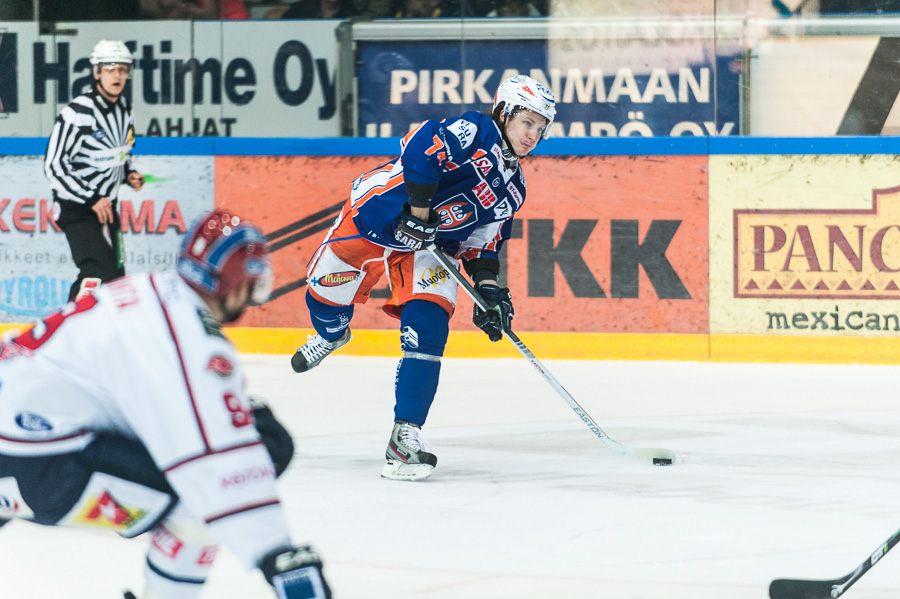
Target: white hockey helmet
pixel 522 91
pixel 109 51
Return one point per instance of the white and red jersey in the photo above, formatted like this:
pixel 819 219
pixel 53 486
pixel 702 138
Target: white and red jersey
pixel 143 357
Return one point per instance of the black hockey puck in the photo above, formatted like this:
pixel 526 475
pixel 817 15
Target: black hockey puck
pixel 662 462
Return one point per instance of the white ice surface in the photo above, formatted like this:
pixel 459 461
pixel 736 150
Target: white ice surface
pixel 782 471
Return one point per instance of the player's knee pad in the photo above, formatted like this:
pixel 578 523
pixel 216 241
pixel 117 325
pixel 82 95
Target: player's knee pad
pixel 275 437
pixel 424 328
pixel 329 321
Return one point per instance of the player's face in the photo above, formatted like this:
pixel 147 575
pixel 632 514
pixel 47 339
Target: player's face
pixel 524 130
pixel 235 302
pixel 112 78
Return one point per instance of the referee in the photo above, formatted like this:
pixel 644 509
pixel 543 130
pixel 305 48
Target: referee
pixel 88 157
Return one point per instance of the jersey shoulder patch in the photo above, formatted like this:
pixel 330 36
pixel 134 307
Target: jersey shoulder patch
pixel 464 131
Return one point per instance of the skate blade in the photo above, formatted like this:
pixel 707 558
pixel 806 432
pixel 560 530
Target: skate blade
pixel 395 470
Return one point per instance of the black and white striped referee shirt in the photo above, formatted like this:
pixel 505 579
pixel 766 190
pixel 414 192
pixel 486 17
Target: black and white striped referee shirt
pixel 88 154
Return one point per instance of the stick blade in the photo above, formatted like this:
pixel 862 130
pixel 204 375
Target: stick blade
pixel 787 588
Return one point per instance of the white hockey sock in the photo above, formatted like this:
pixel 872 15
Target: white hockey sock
pixel 179 558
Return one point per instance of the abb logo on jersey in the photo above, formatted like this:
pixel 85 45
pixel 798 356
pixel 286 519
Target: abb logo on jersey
pixel 485 195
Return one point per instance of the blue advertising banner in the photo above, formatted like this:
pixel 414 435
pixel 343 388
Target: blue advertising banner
pixel 669 88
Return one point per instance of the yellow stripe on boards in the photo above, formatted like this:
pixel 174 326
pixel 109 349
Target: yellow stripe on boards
pixel 594 346
pixel 604 346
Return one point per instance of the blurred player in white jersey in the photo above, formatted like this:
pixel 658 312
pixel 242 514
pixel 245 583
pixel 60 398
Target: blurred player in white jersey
pixel 457 184
pixel 127 411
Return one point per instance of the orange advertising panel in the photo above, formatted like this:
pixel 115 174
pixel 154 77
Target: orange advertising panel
pixel 603 243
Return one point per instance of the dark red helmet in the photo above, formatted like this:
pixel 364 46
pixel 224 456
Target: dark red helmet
pixel 220 251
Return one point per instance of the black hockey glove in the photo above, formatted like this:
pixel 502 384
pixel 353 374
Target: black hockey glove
pixel 499 317
pixel 414 232
pixel 275 437
pixel 296 573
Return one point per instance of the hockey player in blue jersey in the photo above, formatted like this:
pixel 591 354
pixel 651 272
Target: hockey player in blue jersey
pixel 457 184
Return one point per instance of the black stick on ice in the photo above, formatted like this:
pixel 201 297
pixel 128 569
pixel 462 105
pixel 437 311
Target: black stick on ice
pixel 789 588
pixel 657 455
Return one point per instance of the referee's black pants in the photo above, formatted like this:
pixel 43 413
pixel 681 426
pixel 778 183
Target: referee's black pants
pixel 95 247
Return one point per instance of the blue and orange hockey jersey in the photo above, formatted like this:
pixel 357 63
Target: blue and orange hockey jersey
pixel 477 192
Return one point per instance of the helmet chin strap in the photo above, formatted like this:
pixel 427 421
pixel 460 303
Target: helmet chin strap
pixel 509 156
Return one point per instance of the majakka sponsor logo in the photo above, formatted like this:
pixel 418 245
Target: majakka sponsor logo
pixel 834 254
pixel 433 277
pixel 336 279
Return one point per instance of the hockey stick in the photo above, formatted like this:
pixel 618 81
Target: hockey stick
pixel 787 588
pixel 657 455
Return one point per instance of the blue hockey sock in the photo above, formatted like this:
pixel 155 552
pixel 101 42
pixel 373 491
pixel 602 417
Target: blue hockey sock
pixel 329 321
pixel 424 328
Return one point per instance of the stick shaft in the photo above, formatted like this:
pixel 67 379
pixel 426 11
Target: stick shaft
pixel 615 447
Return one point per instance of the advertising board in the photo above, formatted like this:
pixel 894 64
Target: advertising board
pixel 805 245
pixel 190 79
pixel 603 89
pixel 34 257
pixel 603 244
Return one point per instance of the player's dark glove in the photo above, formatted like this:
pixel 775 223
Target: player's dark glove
pixel 275 437
pixel 416 233
pixel 499 317
pixel 296 573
